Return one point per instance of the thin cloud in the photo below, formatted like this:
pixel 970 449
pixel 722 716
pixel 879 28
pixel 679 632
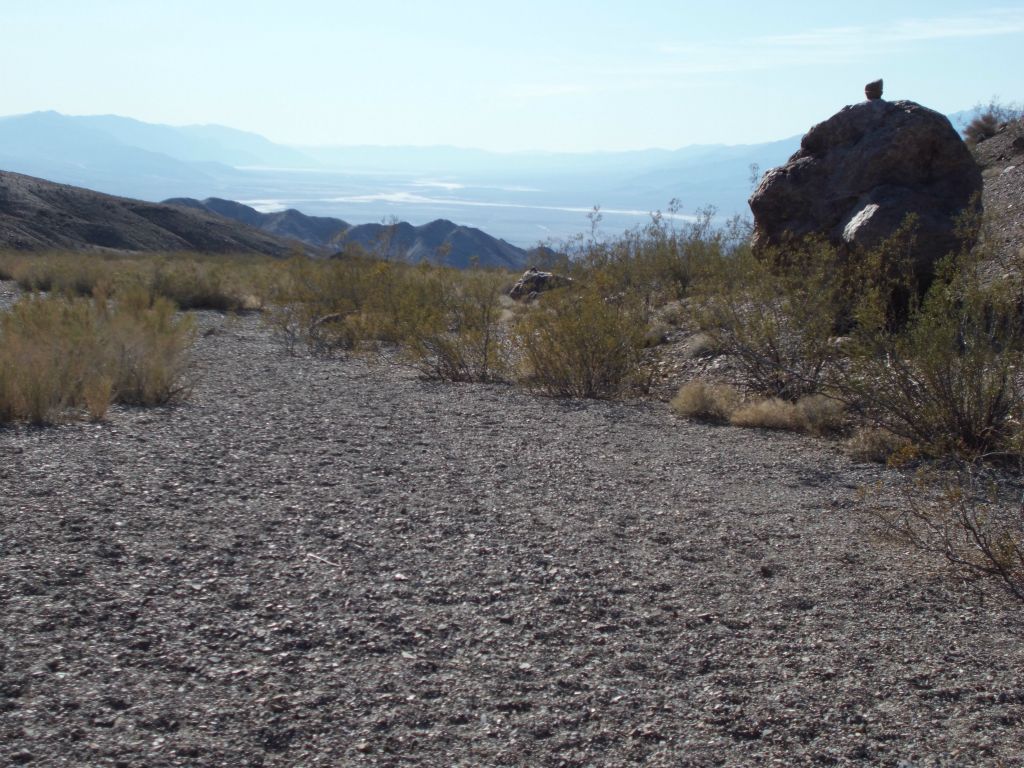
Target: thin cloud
pixel 680 66
pixel 835 43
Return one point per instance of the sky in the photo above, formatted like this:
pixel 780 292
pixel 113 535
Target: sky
pixel 525 75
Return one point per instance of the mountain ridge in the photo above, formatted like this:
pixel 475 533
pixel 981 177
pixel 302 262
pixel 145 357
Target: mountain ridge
pixel 438 241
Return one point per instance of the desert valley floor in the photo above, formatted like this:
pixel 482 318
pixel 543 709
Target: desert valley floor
pixel 321 562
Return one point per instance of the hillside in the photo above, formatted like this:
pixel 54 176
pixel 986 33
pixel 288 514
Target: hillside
pixel 438 241
pixel 36 214
pixel 1002 160
pixel 319 231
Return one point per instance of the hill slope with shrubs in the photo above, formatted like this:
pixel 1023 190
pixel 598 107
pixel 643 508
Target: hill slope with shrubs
pixel 36 214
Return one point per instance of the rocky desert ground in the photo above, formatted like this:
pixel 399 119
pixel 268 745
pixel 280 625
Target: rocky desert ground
pixel 323 562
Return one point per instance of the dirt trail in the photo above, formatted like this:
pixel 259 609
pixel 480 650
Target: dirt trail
pixel 317 562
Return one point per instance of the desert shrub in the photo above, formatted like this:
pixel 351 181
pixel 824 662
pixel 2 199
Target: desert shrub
pixel 986 124
pixel 580 344
pixel 402 301
pixel 192 281
pixel 974 524
pixel 69 274
pixel 7 265
pixel 706 402
pixel 148 344
pixel 457 335
pixel 655 263
pixel 48 348
pixel 447 323
pixel 947 380
pixel 318 303
pixel 61 355
pixel 774 317
pixel 193 284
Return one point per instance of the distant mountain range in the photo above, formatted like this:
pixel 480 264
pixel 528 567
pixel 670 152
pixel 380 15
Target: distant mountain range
pixel 439 241
pixel 128 157
pixel 522 197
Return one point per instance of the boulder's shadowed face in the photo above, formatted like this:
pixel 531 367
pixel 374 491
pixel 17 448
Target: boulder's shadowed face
pixel 859 174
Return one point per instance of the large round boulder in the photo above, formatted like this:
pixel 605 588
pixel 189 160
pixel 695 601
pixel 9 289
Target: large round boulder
pixel 861 172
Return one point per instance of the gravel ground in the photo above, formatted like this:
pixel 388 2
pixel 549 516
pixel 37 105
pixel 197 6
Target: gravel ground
pixel 1002 160
pixel 325 563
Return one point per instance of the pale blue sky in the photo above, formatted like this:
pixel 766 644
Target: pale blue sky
pixel 528 74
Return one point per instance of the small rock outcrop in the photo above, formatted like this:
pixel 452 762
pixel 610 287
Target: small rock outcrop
pixel 534 282
pixel 861 172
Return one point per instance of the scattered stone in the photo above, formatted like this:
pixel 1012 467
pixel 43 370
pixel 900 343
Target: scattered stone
pixel 534 282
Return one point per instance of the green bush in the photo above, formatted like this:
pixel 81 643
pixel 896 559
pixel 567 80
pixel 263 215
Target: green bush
pixel 459 336
pixel 656 263
pixel 947 381
pixel 580 344
pixel 192 281
pixel 775 315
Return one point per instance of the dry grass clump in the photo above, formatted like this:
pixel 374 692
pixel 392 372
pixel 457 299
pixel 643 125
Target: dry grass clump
pixel 772 413
pixel 719 403
pixel 60 357
pixel 821 415
pixel 656 334
pixel 877 445
pixel 700 345
pixel 706 402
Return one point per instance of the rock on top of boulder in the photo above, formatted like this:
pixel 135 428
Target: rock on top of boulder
pixel 858 174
